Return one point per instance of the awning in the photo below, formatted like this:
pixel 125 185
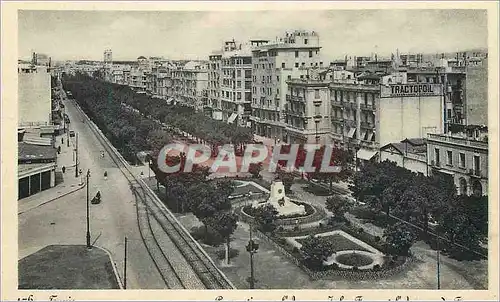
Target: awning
pixel 365 154
pixel 231 119
pixel 370 136
pixel 363 135
pixel 351 132
pixel 446 172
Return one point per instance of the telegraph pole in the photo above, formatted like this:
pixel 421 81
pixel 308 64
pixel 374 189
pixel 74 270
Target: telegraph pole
pixel 76 160
pixel 67 133
pixel 438 265
pixel 88 210
pixel 125 266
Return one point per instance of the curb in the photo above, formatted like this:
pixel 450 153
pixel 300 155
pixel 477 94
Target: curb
pixel 50 200
pixel 115 270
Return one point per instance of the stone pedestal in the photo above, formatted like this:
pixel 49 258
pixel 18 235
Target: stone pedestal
pixel 282 203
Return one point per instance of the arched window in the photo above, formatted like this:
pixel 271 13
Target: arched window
pixel 463 186
pixel 477 188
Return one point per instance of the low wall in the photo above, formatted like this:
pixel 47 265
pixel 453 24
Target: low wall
pixel 337 274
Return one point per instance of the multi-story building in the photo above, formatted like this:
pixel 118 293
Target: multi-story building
pixel 453 81
pixel 108 56
pixel 273 65
pixel 236 84
pixel 34 96
pixel 307 111
pixel 190 84
pixel 213 105
pixel 462 156
pixel 364 116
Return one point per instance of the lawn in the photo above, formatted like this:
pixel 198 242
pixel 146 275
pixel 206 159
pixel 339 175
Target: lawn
pixel 67 267
pixel 340 243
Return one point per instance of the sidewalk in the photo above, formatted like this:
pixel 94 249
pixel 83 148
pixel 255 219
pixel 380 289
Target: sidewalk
pixel 66 183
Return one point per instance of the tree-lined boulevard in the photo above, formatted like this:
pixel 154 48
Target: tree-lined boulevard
pixel 406 209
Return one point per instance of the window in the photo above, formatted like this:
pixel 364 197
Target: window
pixel 248 74
pixel 238 73
pixel 248 84
pixel 462 160
pixel 476 163
pixel 310 53
pixel 238 84
pixel 278 78
pixel 296 64
pixel 283 65
pixel 277 91
pixel 305 41
pixel 449 113
pixel 296 54
pixel 238 95
pixel 316 93
pixel 436 154
pixel 449 157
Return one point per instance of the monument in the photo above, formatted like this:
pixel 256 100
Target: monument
pixel 280 202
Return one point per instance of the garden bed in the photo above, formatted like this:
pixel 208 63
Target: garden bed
pixel 340 243
pixel 353 259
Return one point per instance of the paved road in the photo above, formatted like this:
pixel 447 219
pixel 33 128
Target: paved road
pixel 63 221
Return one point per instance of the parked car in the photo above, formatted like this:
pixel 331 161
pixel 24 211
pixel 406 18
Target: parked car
pixel 72 133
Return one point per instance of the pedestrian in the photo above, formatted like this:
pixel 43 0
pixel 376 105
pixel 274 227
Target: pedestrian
pixel 63 169
pixel 62 140
pixel 80 171
pixel 59 150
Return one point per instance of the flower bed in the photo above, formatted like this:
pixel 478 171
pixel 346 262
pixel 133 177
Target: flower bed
pixel 353 259
pixel 313 213
pixel 340 243
pixel 334 272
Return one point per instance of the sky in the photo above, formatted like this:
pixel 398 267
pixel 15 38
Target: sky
pixel 71 35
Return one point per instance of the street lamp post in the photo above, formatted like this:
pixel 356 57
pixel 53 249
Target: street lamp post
pixel 76 157
pixel 88 212
pixel 252 248
pixel 125 267
pixel 438 264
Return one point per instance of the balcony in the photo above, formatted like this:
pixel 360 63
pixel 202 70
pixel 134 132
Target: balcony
pixel 369 107
pixel 294 98
pixel 337 103
pixel 337 119
pixel 474 173
pixel 436 164
pixel 367 125
pixel 295 113
pixel 458 141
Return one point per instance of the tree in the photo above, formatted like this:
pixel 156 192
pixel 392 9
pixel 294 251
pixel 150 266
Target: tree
pixel 316 250
pixel 265 217
pixel 224 223
pixel 287 178
pixel 339 158
pixel 254 169
pixel 466 223
pixel 399 238
pixel 338 205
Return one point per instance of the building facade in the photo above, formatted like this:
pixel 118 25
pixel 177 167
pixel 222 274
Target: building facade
pixel 463 157
pixel 274 65
pixel 34 96
pixel 190 83
pixel 213 105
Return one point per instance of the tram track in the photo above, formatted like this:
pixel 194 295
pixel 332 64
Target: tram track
pixel 149 206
